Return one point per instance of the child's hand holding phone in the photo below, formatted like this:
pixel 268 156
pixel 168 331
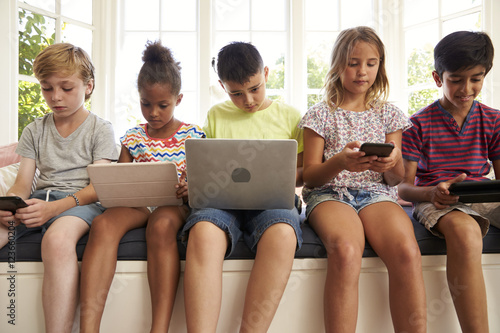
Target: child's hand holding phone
pixel 387 155
pixel 377 149
pixel 10 204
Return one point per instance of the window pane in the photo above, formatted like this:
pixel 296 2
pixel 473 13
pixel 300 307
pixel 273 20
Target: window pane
pixel 31 104
pixel 313 99
pixel 419 54
pixel 178 15
pixel 80 10
pixel 272 48
pixel 141 15
pixel 363 10
pixel 232 15
pixel 224 38
pixel 184 50
pixel 128 111
pixel 421 98
pixel 322 15
pixel 49 5
pixel 417 11
pixel 35 33
pixel 470 22
pixel 455 6
pixel 187 110
pixel 268 15
pixel 78 36
pixel 319 48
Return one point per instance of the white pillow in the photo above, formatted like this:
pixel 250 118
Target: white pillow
pixel 7 177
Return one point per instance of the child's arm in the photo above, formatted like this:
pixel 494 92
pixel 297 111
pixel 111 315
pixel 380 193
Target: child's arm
pixel 318 172
pixel 391 167
pixel 496 168
pixel 439 195
pixel 182 187
pixel 24 179
pixel 299 180
pixel 22 186
pixel 125 156
pixel 38 211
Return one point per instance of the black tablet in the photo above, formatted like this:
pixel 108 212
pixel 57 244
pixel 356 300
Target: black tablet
pixel 477 191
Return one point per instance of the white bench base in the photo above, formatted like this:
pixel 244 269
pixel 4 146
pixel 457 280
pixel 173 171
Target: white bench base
pixel 301 309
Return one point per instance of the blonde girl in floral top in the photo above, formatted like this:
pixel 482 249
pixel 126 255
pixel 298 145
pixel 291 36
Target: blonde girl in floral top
pixel 350 196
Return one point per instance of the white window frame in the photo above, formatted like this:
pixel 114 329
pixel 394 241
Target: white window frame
pixel 105 16
pixel 490 10
pixel 9 64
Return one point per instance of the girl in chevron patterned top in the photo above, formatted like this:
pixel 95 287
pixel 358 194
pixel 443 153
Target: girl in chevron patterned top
pixel 160 139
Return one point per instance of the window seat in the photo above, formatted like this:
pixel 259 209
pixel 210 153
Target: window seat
pixel 301 309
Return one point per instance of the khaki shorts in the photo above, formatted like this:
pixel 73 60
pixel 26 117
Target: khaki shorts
pixel 484 213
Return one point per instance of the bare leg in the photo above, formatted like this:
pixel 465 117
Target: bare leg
pixel 343 236
pixel 464 246
pixel 203 276
pixel 4 235
pixel 269 277
pixel 99 260
pixel 163 262
pixel 61 274
pixel 390 233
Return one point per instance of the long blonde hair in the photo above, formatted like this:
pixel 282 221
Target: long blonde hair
pixel 344 45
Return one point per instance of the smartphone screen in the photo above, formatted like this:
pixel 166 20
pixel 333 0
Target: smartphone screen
pixel 378 149
pixel 12 203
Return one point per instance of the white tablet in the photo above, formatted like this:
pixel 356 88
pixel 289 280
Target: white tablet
pixel 145 184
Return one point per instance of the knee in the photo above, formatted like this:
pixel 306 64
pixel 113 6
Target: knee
pixel 161 232
pixel 103 230
pixel 205 237
pixel 57 246
pixel 282 234
pixel 405 255
pixel 344 256
pixel 464 236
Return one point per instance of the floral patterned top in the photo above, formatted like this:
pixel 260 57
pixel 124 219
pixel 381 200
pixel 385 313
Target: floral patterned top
pixel 339 127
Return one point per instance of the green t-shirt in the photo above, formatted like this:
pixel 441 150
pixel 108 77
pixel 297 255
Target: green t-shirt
pixel 279 121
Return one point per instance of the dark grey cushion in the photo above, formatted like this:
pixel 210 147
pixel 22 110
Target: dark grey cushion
pixel 133 245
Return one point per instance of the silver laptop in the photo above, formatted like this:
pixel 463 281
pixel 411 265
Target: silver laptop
pixel 145 184
pixel 241 174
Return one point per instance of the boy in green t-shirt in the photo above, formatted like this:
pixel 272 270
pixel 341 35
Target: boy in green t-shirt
pixel 273 234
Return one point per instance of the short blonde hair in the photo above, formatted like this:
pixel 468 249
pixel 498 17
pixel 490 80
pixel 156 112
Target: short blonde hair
pixel 344 45
pixel 65 59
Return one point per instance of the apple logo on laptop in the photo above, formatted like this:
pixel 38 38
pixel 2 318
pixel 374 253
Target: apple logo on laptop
pixel 240 175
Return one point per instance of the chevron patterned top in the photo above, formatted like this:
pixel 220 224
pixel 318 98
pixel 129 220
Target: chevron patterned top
pixel 144 148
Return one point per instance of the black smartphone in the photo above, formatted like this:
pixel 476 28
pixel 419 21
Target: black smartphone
pixel 12 203
pixel 378 149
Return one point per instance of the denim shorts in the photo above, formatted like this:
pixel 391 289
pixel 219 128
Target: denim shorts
pixel 484 213
pixel 86 212
pixel 250 224
pixel 360 199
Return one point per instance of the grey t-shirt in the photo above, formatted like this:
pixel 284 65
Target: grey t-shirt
pixel 62 162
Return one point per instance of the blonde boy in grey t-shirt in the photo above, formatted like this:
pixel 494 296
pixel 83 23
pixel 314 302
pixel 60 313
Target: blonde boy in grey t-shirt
pixel 60 145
